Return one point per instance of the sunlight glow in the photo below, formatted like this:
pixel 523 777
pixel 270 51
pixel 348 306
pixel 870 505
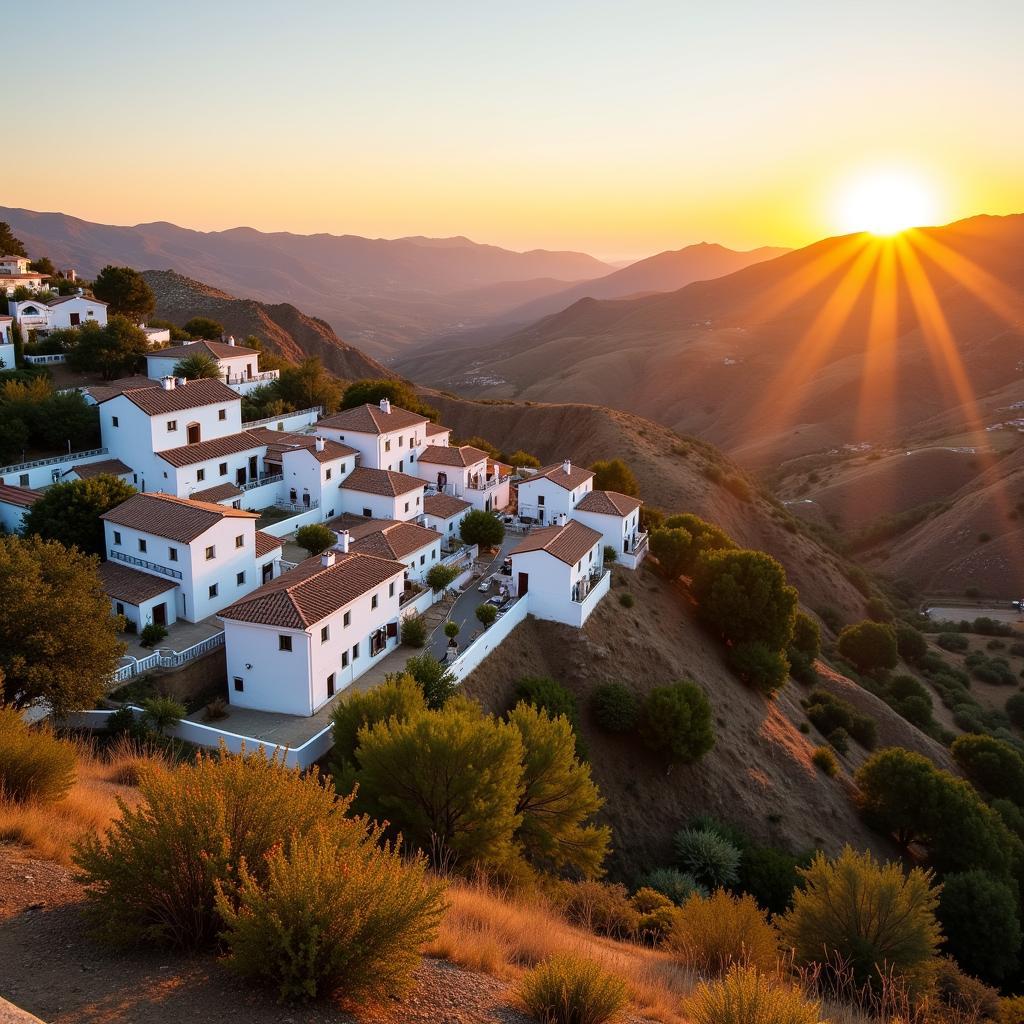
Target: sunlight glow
pixel 886 202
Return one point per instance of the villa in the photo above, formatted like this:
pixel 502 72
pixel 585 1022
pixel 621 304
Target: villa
pixel 14 274
pixel 59 313
pixel 238 365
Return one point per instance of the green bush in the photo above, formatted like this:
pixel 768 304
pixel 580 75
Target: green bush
pixel 437 683
pixel 828 713
pixel 627 600
pixel 315 538
pixel 34 765
pixel 825 760
pixel 708 856
pixel 759 666
pixel 414 631
pixel 908 698
pixel 544 692
pixel 601 907
pixel 676 885
pixel 481 528
pixel 716 933
pixel 869 646
pixel 952 642
pixel 160 713
pixel 152 634
pixel 486 614
pixel 332 912
pixel 440 576
pixel 910 643
pixel 569 989
pixel 615 707
pixel 399 696
pixel 769 875
pixel 746 996
pixel 840 740
pixel 676 722
pixel 992 766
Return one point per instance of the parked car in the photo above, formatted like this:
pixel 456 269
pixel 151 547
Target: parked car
pixel 485 585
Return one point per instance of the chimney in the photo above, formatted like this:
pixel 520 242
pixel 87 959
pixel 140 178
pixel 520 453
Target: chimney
pixel 168 383
pixel 327 558
pixel 320 443
pixel 385 406
pixel 342 542
pixel 562 519
pixel 231 339
pixel 182 381
pixel 567 467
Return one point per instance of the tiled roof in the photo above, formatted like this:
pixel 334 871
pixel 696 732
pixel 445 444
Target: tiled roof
pixel 131 586
pixel 216 493
pixel 608 503
pixel 436 428
pixel 193 394
pixel 557 475
pixel 380 481
pixel 310 592
pixel 85 298
pixel 215 448
pixel 444 506
pixel 395 540
pixel 266 542
pixel 108 467
pixel 567 543
pixel 441 455
pixel 164 515
pixel 371 419
pixel 333 450
pixel 213 349
pixel 113 388
pixel 23 496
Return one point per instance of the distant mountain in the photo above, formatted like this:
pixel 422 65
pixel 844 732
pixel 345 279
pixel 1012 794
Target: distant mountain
pixel 381 293
pixel 849 339
pixel 284 328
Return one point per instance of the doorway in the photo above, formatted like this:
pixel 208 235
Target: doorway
pixel 193 433
pixel 160 614
pixel 524 583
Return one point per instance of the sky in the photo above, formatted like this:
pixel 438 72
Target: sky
pixel 620 129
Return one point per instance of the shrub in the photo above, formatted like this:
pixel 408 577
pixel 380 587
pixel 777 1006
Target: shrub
pixel 673 548
pixel 967 998
pixel 414 631
pixel 451 629
pixel 864 914
pixel 627 600
pixel 610 554
pixel 746 996
pixel 759 666
pixel 436 682
pixel 829 713
pixel 162 712
pixel 600 907
pixel 152 874
pixel 481 528
pixel 769 875
pixel 615 707
pixel 907 697
pixel 486 614
pixel 646 900
pixel 1011 1010
pixel 678 886
pixel 399 696
pixel 840 740
pixel 314 537
pixel 993 766
pixel 806 635
pixel 152 634
pixel 722 930
pixel 440 576
pixel 124 722
pixel 952 642
pixel 34 765
pixel 825 760
pixel 544 692
pixel 330 912
pixel 676 722
pixel 708 856
pixel 910 643
pixel 878 610
pixel 869 646
pixel 215 710
pixel 569 989
pixel 979 919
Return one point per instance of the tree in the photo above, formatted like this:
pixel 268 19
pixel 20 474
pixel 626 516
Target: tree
pixel 486 614
pixel 484 445
pixel 806 635
pixel 14 437
pixel 115 350
pixel 744 596
pixel 673 548
pixel 520 459
pixel 308 384
pixel 615 475
pixel 869 646
pixel 314 537
pixel 979 919
pixel 993 766
pixel 615 707
pixel 43 265
pixel 58 638
pixel 398 392
pixel 198 367
pixel 70 512
pixel 869 916
pixel 676 722
pixel 203 327
pixel 558 798
pixel 435 681
pixel 757 664
pixel 440 576
pixel 163 712
pixel 706 536
pixel 481 528
pixel 9 245
pixel 910 643
pixel 126 293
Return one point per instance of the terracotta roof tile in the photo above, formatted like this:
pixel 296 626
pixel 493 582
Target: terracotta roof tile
pixel 23 496
pixel 213 349
pixel 164 515
pixel 113 388
pixel 441 455
pixel 608 503
pixel 217 493
pixel 85 298
pixel 384 482
pixel 435 428
pixel 557 475
pixel 122 583
pixel 107 467
pixel 193 394
pixel 215 448
pixel 395 540
pixel 333 450
pixel 371 419
pixel 443 506
pixel 567 543
pixel 266 542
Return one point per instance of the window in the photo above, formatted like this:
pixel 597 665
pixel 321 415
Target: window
pixel 284 643
pixel 222 414
pixel 407 506
pixel 433 555
pixel 23 480
pixel 327 474
pixel 200 475
pixel 240 578
pixel 113 421
pixel 172 425
pixel 117 537
pixel 355 651
pixel 401 440
pixel 213 589
pixel 590 557
pixel 330 685
pixel 344 659
pixel 346 619
pixel 223 469
pixel 325 634
pixel 211 553
pixel 239 684
pixel 172 554
pixel 387 446
pixel 378 641
pixel 540 500
pixel 373 601
pixel 142 545
pixel 391 589
pixel 368 513
pixel 119 608
pixel 240 541
pixel 423 559
pixel 417 501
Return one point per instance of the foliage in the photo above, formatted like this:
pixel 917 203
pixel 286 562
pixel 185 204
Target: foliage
pixel 197 367
pixel 481 528
pixel 676 885
pixel 484 445
pixel 615 707
pixel 907 697
pixel 828 713
pixel 163 712
pixel 708 856
pixel 544 692
pixel 126 293
pixel 153 875
pixel 58 638
pixel 676 722
pixel 769 875
pixel 746 996
pixel 910 643
pixel 436 682
pixel 521 459
pixel 600 907
pixel 70 512
pixel 979 919
pixel 308 384
pixel 615 475
pixel 115 350
pixel 569 989
pixel 825 760
pixel 806 635
pixel 720 931
pixel 441 576
pixel 759 666
pixel 869 646
pixel 486 614
pixel 399 392
pixel 204 327
pixel 1015 709
pixel 992 766
pixel 451 629
pixel 33 415
pixel 868 916
pixel 626 599
pixel 414 631
pixel 177 333
pixel 705 536
pixel 34 765
pixel 952 642
pixel 673 548
pixel 314 537
pixel 9 244
pixel 331 912
pixel 152 633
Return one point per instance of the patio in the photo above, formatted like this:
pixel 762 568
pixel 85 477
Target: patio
pixel 180 636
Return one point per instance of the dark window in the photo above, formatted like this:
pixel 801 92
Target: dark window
pixel 222 414
pixel 172 554
pixel 223 469
pixel 347 618
pixel 355 651
pixel 540 499
pixel 284 643
pixel 407 506
pixel 117 537
pixel 327 475
pixel 325 634
pixel 239 684
pixel 142 545
pixel 120 608
pixel 344 659
pixel 213 590
pixel 240 541
pixel 211 553
pixel 391 589
pixel 367 513
pixel 330 685
pixel 373 601
pixel 200 474
pixel 113 421
pixel 240 578
pixel 172 425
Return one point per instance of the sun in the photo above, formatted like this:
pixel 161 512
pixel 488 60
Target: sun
pixel 886 202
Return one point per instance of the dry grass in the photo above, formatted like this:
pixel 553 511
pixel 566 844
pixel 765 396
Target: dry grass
pixel 51 831
pixel 485 932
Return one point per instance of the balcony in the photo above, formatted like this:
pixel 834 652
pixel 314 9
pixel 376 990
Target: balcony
pixel 260 481
pixel 162 570
pixel 264 377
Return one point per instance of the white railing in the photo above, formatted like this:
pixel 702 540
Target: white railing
pixel 315 411
pixel 466 552
pixel 270 478
pixel 297 506
pixel 53 461
pixel 263 375
pixel 55 357
pixel 285 565
pixel 168 659
pixel 154 566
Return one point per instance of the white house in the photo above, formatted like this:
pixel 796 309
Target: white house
pixel 105 467
pixel 438 435
pixel 30 315
pixel 7 343
pixel 444 513
pixel 385 436
pixel 14 273
pixel 156 335
pixel 68 311
pixel 418 547
pixel 312 468
pixel 465 472
pixel 561 569
pixel 14 503
pixel 617 518
pixel 211 554
pixel 382 494
pixel 299 640
pixel 553 491
pixel 239 365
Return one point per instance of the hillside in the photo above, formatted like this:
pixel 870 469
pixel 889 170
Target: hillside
pixel 381 293
pixel 774 361
pixel 284 328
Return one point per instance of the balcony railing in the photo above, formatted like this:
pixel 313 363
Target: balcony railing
pixel 71 457
pixel 297 506
pixel 163 570
pixel 254 378
pixel 55 357
pixel 270 478
pixel 315 410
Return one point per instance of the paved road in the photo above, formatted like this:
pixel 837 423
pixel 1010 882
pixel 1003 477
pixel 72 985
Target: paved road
pixel 954 613
pixel 464 610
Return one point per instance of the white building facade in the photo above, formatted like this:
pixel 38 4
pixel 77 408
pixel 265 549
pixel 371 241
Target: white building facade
pixel 239 365
pixel 553 491
pixel 617 518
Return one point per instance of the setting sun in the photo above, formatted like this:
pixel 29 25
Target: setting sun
pixel 886 202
